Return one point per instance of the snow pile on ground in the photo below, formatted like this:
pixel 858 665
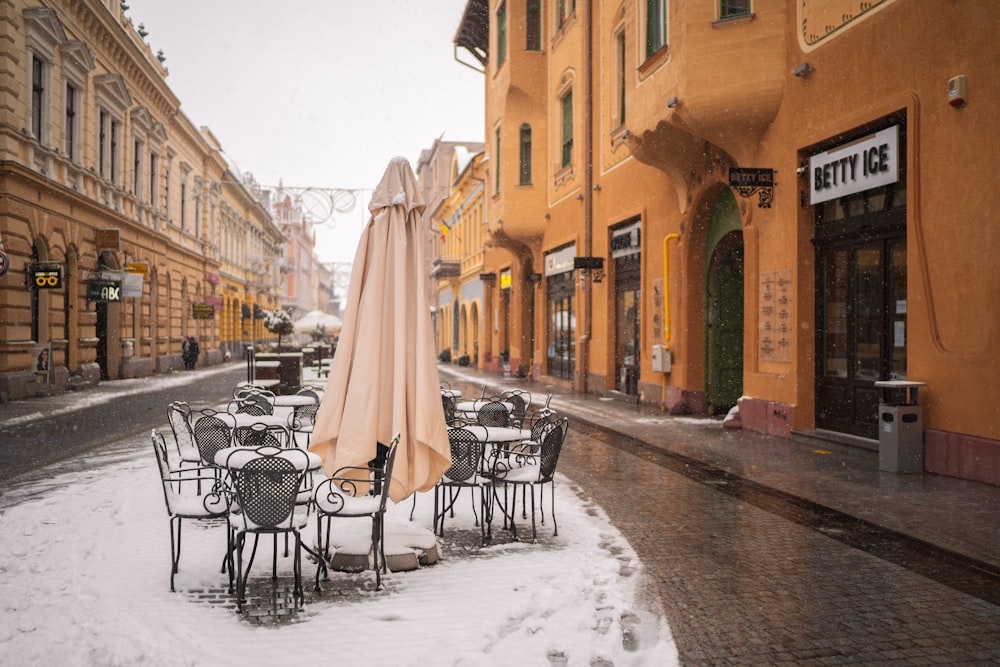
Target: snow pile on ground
pixel 84 579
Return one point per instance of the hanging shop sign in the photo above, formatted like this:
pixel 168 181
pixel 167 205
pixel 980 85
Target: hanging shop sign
pixel 215 300
pixel 560 261
pixel 137 267
pixel 45 275
pixel 104 291
pixel 202 311
pixel 748 180
pixel 861 165
pixel 108 239
pixel 626 241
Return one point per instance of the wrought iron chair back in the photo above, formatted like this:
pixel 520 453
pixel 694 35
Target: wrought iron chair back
pixel 179 417
pixel 520 399
pixel 448 403
pixel 466 455
pixel 266 488
pixel 213 431
pixel 261 435
pixel 493 413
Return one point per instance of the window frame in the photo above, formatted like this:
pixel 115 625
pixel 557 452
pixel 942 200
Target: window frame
pixel 533 25
pixel 40 96
pixel 619 109
pixel 524 161
pixel 566 139
pixel 496 164
pixel 657 26
pixel 565 9
pixel 72 121
pixel 501 33
pixel 726 13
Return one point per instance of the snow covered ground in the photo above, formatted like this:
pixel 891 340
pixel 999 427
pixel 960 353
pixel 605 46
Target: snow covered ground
pixel 84 580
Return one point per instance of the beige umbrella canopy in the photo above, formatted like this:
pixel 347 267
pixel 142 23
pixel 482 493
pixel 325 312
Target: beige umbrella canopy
pixel 317 318
pixel 384 377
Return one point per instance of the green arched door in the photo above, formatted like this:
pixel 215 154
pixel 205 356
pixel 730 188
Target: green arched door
pixel 724 306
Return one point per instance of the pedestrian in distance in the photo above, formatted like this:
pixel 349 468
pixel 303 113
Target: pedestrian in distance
pixel 189 352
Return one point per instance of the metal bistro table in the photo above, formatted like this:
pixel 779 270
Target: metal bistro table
pixel 495 437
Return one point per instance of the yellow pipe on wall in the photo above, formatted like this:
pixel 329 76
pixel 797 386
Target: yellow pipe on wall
pixel 666 312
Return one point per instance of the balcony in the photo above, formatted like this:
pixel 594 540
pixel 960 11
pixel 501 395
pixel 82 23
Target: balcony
pixel 443 268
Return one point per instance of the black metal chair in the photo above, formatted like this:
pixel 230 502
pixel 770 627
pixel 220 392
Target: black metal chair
pixel 448 403
pixel 529 469
pixel 213 431
pixel 212 505
pixel 467 460
pixel 520 399
pixel 493 413
pixel 302 420
pixel 261 435
pixel 179 416
pixel 356 492
pixel 266 487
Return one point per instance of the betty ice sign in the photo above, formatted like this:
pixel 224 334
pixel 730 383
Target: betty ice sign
pixel 860 165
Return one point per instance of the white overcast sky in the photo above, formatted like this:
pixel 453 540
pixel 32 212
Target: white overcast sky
pixel 318 93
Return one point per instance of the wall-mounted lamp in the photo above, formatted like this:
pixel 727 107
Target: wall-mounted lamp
pixel 803 69
pixel 626 134
pixel 673 102
pixel 579 196
pixel 589 266
pixel 547 215
pixel 597 187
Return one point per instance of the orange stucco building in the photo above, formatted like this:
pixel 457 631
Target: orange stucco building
pixel 770 204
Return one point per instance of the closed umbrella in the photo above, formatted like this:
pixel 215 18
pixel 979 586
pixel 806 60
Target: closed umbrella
pixel 384 377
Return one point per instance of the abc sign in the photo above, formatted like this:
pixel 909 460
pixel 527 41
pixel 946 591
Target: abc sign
pixel 47 278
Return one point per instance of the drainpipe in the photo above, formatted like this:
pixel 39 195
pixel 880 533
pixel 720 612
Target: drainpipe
pixel 588 181
pixel 666 313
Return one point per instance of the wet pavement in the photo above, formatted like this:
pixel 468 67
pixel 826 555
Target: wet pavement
pixel 775 551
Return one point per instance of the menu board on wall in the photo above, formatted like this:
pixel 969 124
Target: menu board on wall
pixel 775 315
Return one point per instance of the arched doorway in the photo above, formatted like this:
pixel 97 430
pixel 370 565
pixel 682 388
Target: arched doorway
pixel 724 306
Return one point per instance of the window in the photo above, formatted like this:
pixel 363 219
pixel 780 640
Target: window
pixel 567 128
pixel 38 96
pixel 113 101
pixel 72 120
pixel 565 9
pixel 533 25
pixel 110 129
pixel 183 205
pixel 656 26
pixel 137 169
pixel 732 8
pixel 154 164
pixel 496 167
pixel 501 33
pixel 525 158
pixel 618 115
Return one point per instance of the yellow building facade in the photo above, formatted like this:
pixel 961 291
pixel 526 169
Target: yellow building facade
pixel 122 229
pixel 458 265
pixel 767 204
